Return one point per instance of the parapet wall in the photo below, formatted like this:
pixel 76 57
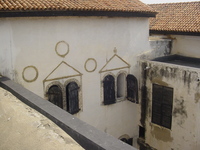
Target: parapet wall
pixel 24 128
pixel 87 136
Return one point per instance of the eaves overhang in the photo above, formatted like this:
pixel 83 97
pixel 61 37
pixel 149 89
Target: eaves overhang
pixel 75 13
pixel 166 32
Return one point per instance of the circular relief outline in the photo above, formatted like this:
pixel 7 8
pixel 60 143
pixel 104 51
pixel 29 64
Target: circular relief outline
pixel 87 62
pixel 33 78
pixel 63 55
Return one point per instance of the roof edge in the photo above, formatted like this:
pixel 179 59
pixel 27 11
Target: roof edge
pixel 75 13
pixel 172 3
pixel 174 32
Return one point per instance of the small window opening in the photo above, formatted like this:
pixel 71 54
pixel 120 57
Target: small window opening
pixel 127 141
pixel 121 85
pixel 109 90
pixel 124 140
pixel 72 95
pixel 132 88
pixel 55 96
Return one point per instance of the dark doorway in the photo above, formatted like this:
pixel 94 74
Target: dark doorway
pixel 55 95
pixel 72 97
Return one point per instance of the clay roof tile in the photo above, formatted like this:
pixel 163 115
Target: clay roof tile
pixel 64 5
pixel 176 17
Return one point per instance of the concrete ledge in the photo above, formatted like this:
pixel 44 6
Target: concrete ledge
pixel 87 136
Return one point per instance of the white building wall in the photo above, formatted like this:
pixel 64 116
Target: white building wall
pixel 6 50
pixel 32 41
pixel 186 45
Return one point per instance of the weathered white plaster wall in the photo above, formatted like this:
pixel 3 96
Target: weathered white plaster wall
pixel 186 45
pixel 159 47
pixel 184 133
pixel 31 42
pixel 6 50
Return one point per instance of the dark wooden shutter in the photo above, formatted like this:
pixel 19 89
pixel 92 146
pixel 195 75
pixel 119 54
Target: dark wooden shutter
pixel 55 95
pixel 156 118
pixel 166 121
pixel 132 88
pixel 157 104
pixel 109 90
pixel 72 98
pixel 167 107
pixel 167 95
pixel 162 100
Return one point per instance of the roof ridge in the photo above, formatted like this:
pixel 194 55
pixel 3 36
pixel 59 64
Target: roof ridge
pixel 175 3
pixel 100 5
pixel 122 7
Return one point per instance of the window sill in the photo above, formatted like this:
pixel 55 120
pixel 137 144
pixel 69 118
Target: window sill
pixel 119 99
pixel 74 112
pixel 160 127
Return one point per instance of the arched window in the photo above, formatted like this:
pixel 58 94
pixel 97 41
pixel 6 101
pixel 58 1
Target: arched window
pixel 121 89
pixel 132 88
pixel 55 95
pixel 109 90
pixel 72 96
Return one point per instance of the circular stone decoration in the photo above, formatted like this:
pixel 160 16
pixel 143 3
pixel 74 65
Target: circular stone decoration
pixel 62 48
pixel 30 73
pixel 90 65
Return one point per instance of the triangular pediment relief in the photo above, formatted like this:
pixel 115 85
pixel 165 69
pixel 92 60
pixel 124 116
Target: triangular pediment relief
pixel 115 63
pixel 63 70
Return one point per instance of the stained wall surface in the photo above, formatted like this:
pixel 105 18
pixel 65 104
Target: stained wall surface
pixel 184 132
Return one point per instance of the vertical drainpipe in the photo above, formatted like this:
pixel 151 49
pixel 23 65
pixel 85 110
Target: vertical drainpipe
pixel 143 94
pixel 141 139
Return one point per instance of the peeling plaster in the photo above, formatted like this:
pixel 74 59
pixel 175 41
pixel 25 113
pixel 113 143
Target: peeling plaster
pixel 197 97
pixel 159 81
pixel 161 133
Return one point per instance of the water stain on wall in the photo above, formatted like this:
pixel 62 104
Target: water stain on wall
pixel 144 95
pixel 161 134
pixel 187 78
pixel 197 97
pixel 180 111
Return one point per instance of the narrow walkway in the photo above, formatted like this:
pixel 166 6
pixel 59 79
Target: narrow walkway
pixel 23 128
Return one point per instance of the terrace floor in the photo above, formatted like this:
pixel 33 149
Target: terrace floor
pixel 180 60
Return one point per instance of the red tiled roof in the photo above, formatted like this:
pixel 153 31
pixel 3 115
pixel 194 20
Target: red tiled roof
pixel 75 5
pixel 176 17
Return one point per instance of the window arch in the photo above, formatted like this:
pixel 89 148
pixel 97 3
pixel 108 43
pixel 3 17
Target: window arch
pixel 55 95
pixel 121 87
pixel 109 90
pixel 72 97
pixel 132 88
